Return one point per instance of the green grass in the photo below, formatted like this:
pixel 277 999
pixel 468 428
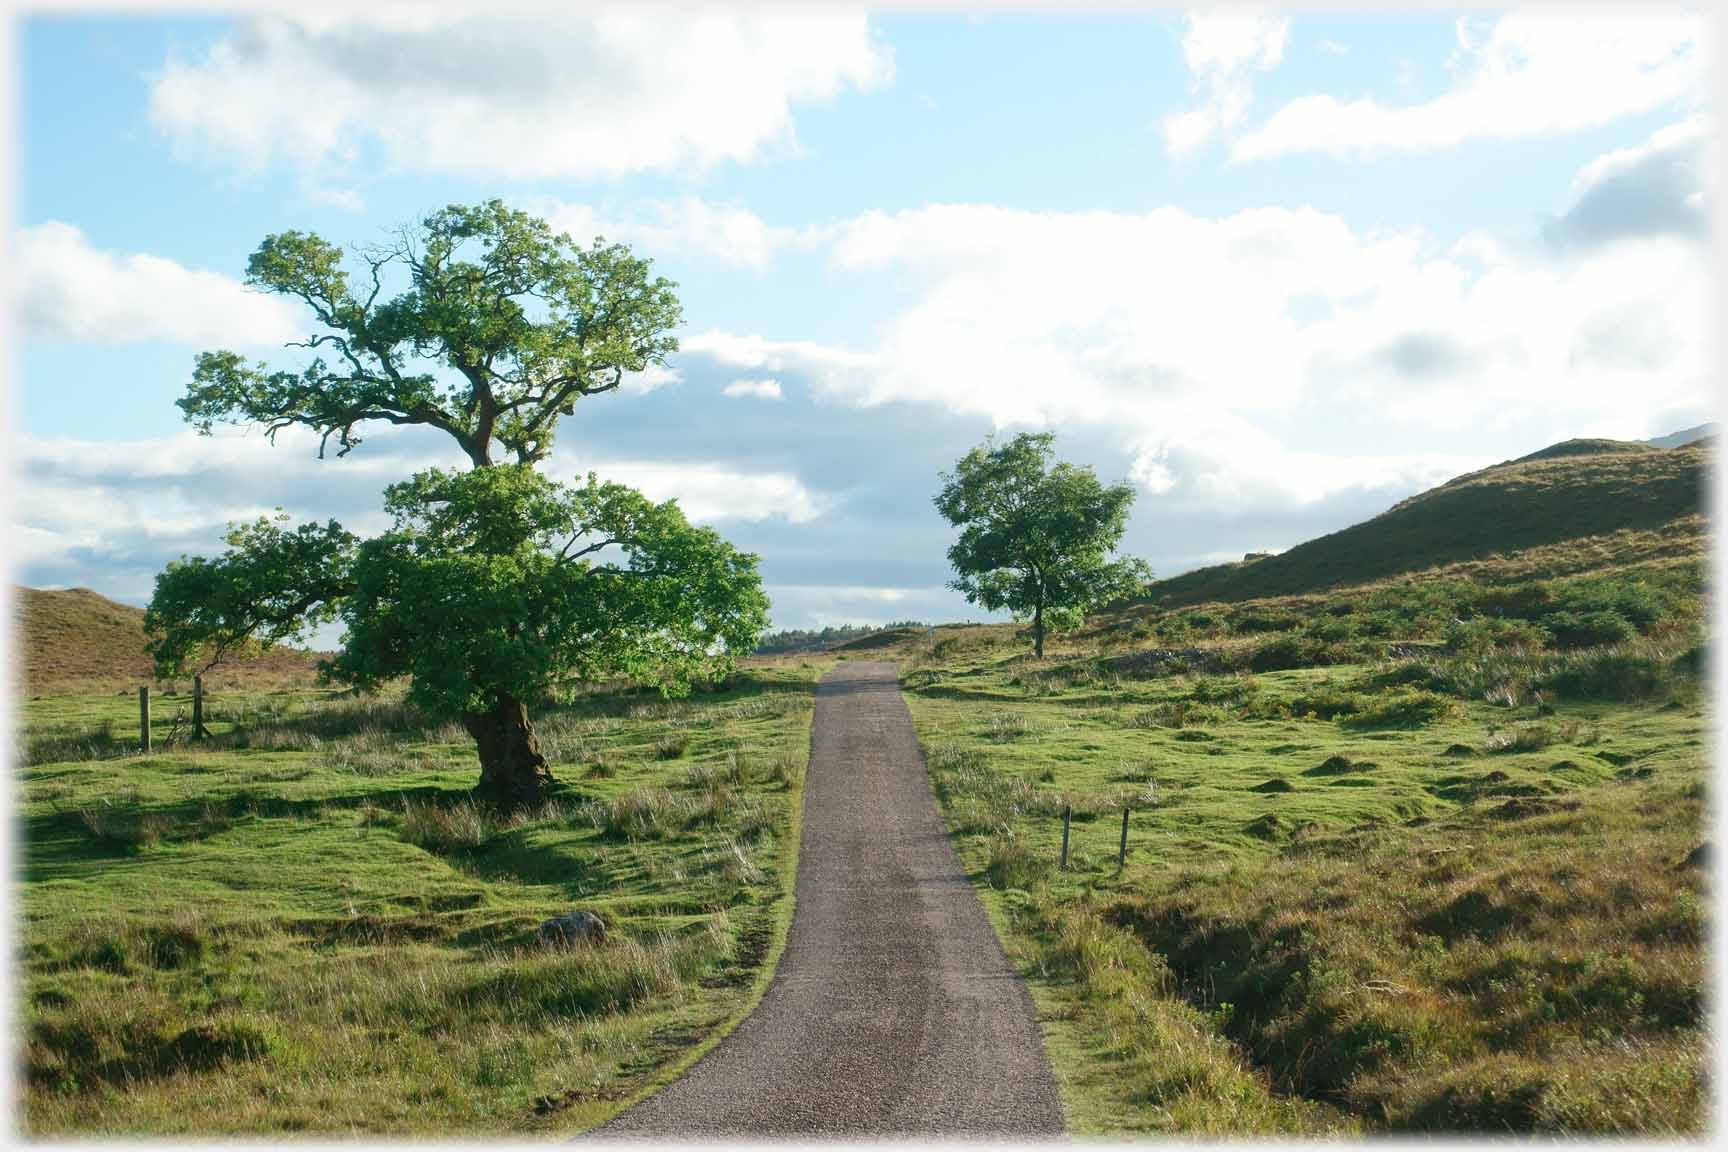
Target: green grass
pixel 304 924
pixel 1357 898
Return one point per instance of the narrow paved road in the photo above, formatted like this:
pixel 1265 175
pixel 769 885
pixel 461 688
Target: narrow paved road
pixel 894 1010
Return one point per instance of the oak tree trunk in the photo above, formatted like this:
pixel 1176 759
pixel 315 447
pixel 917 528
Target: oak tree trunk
pixel 513 772
pixel 1038 631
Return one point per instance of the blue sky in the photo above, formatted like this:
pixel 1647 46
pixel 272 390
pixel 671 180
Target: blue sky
pixel 1280 271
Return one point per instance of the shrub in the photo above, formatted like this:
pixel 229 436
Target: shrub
pixel 1263 620
pixel 1411 708
pixel 1484 634
pixel 1177 714
pixel 1327 703
pixel 1297 652
pixel 1331 629
pixel 1224 689
pixel 1613 674
pixel 1588 629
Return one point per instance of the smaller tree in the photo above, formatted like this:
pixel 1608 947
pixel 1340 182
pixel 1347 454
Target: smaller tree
pixel 1036 539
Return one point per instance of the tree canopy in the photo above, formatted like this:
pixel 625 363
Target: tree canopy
pixel 501 327
pixel 495 586
pixel 1035 538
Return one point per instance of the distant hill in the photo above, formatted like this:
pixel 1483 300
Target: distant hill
pixel 828 639
pixel 79 639
pixel 1683 437
pixel 884 638
pixel 1569 507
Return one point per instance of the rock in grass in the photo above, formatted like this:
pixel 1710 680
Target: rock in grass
pixel 1459 750
pixel 579 927
pixel 1274 785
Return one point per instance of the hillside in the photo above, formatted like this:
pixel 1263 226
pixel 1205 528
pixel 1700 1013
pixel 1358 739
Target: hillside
pixel 1569 508
pixel 81 639
pixel 1684 436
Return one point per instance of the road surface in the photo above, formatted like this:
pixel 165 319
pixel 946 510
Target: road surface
pixel 893 1010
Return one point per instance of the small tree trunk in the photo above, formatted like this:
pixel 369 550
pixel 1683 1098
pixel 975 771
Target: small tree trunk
pixel 1038 631
pixel 513 772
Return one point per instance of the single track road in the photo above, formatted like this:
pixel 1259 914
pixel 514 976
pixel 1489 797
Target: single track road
pixel 894 1011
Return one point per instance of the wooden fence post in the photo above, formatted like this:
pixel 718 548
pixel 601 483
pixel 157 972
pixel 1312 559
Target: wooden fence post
pixel 1067 819
pixel 1122 852
pixel 199 732
pixel 144 717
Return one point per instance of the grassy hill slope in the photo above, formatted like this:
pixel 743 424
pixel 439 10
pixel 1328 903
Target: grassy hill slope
pixel 1569 508
pixel 81 639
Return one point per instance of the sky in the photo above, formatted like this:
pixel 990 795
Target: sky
pixel 1277 271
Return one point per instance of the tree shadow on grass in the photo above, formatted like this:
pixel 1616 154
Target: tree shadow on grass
pixel 75 843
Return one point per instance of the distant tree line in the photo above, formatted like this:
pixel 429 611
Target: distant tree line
pixel 814 639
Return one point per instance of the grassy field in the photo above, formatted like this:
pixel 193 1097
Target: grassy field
pixel 302 925
pixel 1443 891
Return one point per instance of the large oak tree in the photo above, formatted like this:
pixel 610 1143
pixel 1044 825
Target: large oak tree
pixel 496 586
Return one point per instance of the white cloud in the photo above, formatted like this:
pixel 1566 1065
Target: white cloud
pixel 70 290
pixel 709 492
pixel 346 199
pixel 518 92
pixel 768 389
pixel 834 371
pixel 834 605
pixel 726 232
pixel 1233 466
pixel 653 377
pixel 1204 345
pixel 1223 50
pixel 1660 187
pixel 111 514
pixel 1533 74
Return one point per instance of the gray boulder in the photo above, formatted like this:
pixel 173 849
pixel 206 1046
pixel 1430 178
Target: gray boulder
pixel 579 927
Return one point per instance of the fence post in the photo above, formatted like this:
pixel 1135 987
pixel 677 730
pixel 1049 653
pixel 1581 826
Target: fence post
pixel 199 732
pixel 144 717
pixel 1067 819
pixel 1122 852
